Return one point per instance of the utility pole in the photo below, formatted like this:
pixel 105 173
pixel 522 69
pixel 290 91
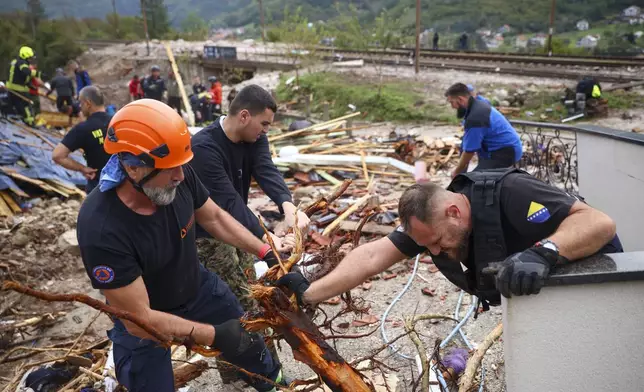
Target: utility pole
pixel 552 26
pixel 261 20
pixel 145 26
pixel 417 57
pixel 116 18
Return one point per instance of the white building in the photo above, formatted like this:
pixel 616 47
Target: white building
pixel 521 41
pixel 632 11
pixel 588 42
pixel 538 40
pixel 583 25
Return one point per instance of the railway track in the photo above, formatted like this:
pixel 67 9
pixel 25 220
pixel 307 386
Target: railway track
pixel 524 70
pixel 564 67
pixel 500 57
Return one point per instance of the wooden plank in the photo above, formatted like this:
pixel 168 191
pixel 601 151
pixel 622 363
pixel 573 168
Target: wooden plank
pixel 328 177
pixel 31 131
pixel 184 97
pixel 4 208
pixel 10 202
pixel 19 192
pixel 365 172
pixel 370 227
pixel 71 191
pixel 36 182
pixel 312 127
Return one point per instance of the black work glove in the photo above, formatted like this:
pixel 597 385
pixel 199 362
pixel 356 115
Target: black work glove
pixel 232 339
pixel 296 282
pixel 523 273
pixel 270 258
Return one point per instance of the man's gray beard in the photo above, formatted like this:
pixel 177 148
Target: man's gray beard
pixel 161 196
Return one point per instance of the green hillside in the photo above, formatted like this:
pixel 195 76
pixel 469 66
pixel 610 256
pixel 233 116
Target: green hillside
pixel 445 15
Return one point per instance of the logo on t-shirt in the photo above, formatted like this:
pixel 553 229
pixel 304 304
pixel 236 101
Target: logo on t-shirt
pixel 537 213
pixel 185 230
pixel 103 274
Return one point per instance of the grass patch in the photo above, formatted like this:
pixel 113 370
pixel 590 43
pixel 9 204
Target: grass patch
pixel 622 99
pixel 398 101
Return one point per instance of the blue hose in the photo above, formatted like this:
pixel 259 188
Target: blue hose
pixel 445 341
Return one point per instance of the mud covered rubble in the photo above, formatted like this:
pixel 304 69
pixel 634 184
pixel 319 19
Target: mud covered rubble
pixel 41 241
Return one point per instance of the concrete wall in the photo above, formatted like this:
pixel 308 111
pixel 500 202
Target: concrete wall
pixel 583 338
pixel 611 178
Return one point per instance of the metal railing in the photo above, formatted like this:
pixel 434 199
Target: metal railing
pixel 550 153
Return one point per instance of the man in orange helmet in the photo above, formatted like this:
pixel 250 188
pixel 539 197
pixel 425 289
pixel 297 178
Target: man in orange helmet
pixel 137 240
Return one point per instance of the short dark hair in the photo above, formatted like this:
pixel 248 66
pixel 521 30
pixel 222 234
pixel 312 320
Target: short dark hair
pixel 458 90
pixel 418 200
pixel 254 99
pixel 92 94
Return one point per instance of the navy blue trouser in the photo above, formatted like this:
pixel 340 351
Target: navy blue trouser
pixel 144 366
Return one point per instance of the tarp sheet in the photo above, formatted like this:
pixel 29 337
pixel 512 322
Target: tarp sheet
pixel 17 145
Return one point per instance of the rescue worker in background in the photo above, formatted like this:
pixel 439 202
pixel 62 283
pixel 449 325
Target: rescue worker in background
pixel 463 41
pixel 587 89
pixel 150 193
pixel 134 86
pixel 488 134
pixel 20 76
pixel 64 88
pixel 82 78
pixel 197 86
pixel 34 84
pixel 88 135
pixel 476 95
pixel 508 228
pixel 227 153
pixel 154 86
pixel 231 96
pixel 5 101
pixel 174 95
pixel 215 91
pixel 435 41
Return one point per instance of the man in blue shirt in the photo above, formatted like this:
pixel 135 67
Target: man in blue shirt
pixel 487 133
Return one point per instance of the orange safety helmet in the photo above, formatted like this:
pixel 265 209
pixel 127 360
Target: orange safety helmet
pixel 152 131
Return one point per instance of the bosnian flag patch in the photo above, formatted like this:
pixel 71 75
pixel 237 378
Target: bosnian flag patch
pixel 538 213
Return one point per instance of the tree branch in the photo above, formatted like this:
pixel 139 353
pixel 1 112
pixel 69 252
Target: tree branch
pixel 467 379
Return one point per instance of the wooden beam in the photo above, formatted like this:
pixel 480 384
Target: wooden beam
pixel 4 209
pixel 32 131
pixel 184 97
pixel 313 127
pixel 10 202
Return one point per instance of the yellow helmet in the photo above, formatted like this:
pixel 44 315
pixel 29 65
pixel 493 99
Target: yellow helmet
pixel 26 52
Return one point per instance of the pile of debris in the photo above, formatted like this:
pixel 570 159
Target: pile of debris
pixel 27 171
pixel 332 151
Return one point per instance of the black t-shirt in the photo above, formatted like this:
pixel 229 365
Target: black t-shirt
pixel 118 245
pixel 89 135
pixel 225 168
pixel 531 210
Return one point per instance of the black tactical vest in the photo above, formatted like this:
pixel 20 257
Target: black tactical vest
pixel 483 189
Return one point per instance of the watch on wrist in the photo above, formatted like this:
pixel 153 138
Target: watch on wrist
pixel 548 245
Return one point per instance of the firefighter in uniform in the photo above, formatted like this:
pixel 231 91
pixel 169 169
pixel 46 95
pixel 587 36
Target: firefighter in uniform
pixel 18 83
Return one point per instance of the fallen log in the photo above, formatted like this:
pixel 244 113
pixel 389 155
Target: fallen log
pixel 188 372
pixel 323 203
pixel 308 344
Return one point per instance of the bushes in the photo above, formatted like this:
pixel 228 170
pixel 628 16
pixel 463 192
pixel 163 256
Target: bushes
pixel 397 102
